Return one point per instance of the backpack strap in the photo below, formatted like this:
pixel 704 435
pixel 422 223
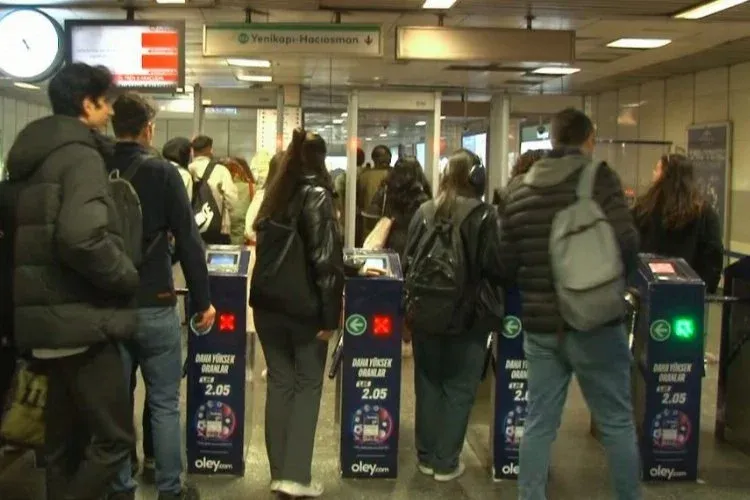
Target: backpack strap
pixel 129 173
pixel 209 170
pixel 464 208
pixel 585 189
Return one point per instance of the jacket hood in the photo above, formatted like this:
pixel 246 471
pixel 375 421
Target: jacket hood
pixel 40 138
pixel 554 169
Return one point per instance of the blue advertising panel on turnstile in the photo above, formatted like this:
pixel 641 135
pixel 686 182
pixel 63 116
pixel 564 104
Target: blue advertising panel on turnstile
pixel 668 349
pixel 511 392
pixel 216 366
pixel 371 369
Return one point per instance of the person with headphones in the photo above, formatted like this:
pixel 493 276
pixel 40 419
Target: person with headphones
pixel 452 257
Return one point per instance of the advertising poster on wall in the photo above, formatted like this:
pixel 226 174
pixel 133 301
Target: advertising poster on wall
pixel 709 147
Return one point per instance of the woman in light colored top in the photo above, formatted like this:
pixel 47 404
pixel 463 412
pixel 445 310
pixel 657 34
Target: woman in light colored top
pixel 243 179
pixel 178 151
pixel 252 210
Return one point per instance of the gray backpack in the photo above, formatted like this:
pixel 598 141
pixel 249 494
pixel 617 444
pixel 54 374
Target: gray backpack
pixel 586 264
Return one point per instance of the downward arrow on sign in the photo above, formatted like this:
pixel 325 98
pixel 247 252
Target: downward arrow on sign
pixel 369 40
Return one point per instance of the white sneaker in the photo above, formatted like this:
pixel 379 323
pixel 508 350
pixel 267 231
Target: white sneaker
pixel 426 469
pixel 297 490
pixel 458 472
pixel 275 485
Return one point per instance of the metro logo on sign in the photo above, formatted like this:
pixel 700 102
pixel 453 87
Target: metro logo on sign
pixel 226 322
pixel 382 325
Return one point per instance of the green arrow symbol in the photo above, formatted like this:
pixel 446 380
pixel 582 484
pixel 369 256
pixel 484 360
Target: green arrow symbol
pixel 356 324
pixel 660 330
pixel 512 327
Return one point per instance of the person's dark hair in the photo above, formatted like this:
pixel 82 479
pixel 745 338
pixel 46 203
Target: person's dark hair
pixel 178 151
pixel 239 169
pixel 571 128
pixel 525 161
pixel 674 197
pixel 305 156
pixel 381 155
pixel 455 182
pixel 74 83
pixel 132 114
pixel 202 142
pixel 360 157
pixel 403 185
pixel 274 165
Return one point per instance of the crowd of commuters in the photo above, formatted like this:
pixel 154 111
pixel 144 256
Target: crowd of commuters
pixel 94 313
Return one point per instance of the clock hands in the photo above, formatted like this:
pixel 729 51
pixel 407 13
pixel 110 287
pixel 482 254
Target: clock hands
pixel 26 44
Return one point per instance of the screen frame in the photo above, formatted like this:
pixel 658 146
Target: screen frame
pixel 212 255
pixel 178 25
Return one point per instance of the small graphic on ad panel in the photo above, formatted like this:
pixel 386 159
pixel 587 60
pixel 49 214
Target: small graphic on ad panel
pixel 372 425
pixel 671 431
pixel 215 421
pixel 513 427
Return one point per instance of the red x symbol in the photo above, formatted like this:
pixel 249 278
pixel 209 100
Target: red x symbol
pixel 382 326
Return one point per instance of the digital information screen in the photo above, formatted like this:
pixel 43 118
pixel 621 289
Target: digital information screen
pixel 375 263
pixel 139 56
pixel 661 268
pixel 222 259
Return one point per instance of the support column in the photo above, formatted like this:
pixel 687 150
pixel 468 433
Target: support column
pixel 432 146
pixel 352 126
pixel 280 119
pixel 498 169
pixel 198 110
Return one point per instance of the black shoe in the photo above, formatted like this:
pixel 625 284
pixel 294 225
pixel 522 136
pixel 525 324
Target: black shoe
pixel 187 493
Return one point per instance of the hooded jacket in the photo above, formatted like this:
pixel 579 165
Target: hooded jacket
pixel 531 205
pixel 73 282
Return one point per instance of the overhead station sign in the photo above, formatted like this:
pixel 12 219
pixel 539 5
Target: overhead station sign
pixel 428 43
pixel 239 40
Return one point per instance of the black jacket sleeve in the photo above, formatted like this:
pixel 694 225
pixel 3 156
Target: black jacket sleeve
pixel 489 256
pixel 83 239
pixel 320 232
pixel 413 235
pixel 710 251
pixel 610 196
pixel 188 242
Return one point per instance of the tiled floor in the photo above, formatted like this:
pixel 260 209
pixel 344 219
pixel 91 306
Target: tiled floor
pixel 579 469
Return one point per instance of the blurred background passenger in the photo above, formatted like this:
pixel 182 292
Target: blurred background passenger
pixel 245 183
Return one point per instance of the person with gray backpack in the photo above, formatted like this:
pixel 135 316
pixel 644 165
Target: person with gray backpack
pixel 568 243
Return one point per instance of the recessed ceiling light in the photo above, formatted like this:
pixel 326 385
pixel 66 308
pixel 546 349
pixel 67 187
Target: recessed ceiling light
pixel 344 115
pixel 255 78
pixel 383 135
pixel 249 63
pixel 708 9
pixel 368 138
pixel 442 117
pixel 639 43
pixel 421 123
pixel 438 4
pixel 27 86
pixel 338 121
pixel 555 70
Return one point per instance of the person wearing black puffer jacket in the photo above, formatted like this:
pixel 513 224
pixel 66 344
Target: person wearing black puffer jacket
pixel 296 317
pixel 74 284
pixel 600 358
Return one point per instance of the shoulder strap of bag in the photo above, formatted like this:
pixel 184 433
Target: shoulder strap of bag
pixel 585 188
pixel 464 208
pixel 132 170
pixel 209 170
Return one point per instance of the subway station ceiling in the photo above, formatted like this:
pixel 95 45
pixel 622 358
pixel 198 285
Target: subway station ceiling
pixel 718 40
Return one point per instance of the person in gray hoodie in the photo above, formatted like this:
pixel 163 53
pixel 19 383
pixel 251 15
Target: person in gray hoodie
pixel 554 351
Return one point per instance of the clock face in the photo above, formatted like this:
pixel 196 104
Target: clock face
pixel 31 45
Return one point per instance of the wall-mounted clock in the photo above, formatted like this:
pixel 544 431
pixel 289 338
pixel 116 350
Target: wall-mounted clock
pixel 31 45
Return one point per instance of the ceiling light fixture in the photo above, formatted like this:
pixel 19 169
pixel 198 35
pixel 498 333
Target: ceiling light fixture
pixel 383 135
pixel 368 139
pixel 639 43
pixel 255 78
pixel 249 63
pixel 338 121
pixel 421 123
pixel 442 117
pixel 555 70
pixel 438 4
pixel 170 1
pixel 708 9
pixel 344 115
pixel 27 86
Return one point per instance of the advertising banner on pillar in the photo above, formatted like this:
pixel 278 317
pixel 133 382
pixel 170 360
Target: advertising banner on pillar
pixel 709 148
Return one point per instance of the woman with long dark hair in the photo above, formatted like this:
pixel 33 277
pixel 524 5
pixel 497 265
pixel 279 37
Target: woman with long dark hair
pixel 449 330
pixel 399 196
pixel 296 295
pixel 674 220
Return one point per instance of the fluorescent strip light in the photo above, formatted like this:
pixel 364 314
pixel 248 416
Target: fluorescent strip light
pixel 170 1
pixel 344 115
pixel 27 86
pixel 442 117
pixel 421 123
pixel 555 70
pixel 255 78
pixel 639 43
pixel 708 9
pixel 368 139
pixel 249 63
pixel 438 4
pixel 338 121
pixel 383 135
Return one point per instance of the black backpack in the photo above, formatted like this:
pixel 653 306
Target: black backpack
pixel 437 280
pixel 9 191
pixel 281 280
pixel 205 208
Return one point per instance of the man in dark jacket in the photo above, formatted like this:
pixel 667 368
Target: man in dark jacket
pixel 601 358
pixel 74 284
pixel 156 347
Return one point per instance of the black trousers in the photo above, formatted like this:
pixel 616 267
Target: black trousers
pixel 148 442
pixel 89 424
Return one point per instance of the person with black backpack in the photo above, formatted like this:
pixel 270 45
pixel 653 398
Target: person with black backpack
pixel 157 344
pixel 74 282
pixel 296 294
pixel 452 251
pixel 568 243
